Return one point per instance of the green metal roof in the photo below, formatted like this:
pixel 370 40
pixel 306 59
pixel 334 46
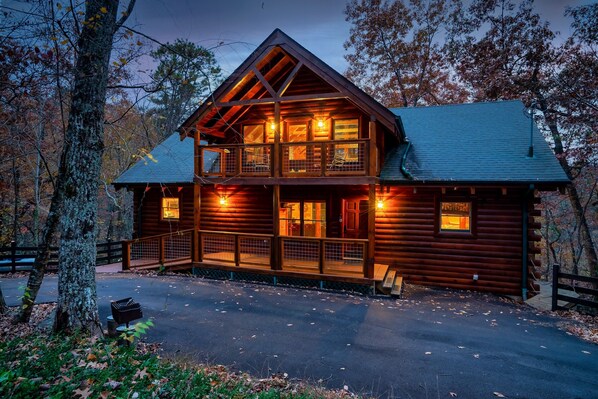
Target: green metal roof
pixel 477 142
pixel 171 162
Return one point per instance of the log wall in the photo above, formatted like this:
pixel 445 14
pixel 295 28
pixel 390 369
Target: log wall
pixel 406 237
pixel 149 222
pixel 248 209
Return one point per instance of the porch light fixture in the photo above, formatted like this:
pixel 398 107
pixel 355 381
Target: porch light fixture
pixel 223 200
pixel 380 204
pixel 272 126
pixel 320 124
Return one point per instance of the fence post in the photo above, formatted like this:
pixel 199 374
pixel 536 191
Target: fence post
pixel 555 286
pixel 13 255
pixel 109 250
pixel 126 254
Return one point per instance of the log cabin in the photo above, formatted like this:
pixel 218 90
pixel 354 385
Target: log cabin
pixel 289 170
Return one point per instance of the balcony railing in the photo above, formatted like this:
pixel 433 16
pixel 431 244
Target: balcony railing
pixel 325 158
pixel 236 160
pixel 304 159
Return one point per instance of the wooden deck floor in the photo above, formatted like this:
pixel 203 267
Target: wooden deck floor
pixel 261 264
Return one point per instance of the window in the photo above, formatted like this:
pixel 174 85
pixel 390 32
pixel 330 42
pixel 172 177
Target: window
pixel 170 208
pixel 455 216
pixel 254 134
pixel 297 133
pixel 303 218
pixel 346 129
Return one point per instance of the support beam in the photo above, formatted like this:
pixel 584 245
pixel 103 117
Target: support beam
pixel 299 97
pixel 276 261
pixel 196 199
pixel 373 155
pixel 277 157
pixel 369 272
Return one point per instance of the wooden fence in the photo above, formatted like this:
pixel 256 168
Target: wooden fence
pixel 14 258
pixel 573 279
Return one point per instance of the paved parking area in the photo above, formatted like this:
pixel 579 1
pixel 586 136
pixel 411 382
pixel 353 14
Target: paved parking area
pixel 429 345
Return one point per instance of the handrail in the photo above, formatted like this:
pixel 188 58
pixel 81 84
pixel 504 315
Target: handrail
pixel 325 142
pixel 178 232
pixel 356 240
pixel 232 233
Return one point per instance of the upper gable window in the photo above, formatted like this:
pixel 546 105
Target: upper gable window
pixel 254 134
pixel 455 216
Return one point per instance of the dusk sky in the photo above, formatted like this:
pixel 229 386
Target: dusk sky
pixel 318 25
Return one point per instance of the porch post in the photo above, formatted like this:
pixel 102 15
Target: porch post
pixel 277 130
pixel 276 265
pixel 371 230
pixel 373 149
pixel 196 198
pixel 196 218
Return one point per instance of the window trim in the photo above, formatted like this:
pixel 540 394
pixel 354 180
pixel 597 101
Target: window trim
pixel 471 233
pixel 162 218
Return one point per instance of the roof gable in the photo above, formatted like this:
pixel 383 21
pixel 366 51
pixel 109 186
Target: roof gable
pixel 271 73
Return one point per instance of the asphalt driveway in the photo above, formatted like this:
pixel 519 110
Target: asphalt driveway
pixel 429 345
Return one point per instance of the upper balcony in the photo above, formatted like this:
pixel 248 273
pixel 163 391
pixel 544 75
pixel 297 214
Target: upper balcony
pixel 295 159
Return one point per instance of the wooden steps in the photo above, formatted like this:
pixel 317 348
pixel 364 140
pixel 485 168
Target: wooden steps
pixel 389 278
pixel 397 286
pixel 392 283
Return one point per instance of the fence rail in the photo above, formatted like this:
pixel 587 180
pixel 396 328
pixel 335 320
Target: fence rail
pixel 574 279
pixel 15 258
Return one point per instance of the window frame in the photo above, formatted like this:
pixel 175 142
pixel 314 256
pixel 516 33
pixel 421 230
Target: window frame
pixel 439 232
pixel 301 203
pixel 264 131
pixel 167 219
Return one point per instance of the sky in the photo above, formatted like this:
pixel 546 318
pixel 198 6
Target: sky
pixel 318 25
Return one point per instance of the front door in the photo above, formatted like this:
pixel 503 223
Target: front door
pixel 355 218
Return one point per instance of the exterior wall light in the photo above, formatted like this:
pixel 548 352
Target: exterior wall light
pixel 320 123
pixel 272 126
pixel 223 200
pixel 380 204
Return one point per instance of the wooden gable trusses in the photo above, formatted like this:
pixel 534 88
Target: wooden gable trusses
pixel 268 76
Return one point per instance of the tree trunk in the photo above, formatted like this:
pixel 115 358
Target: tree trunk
pixel 3 307
pixel 588 248
pixel 36 276
pixel 83 148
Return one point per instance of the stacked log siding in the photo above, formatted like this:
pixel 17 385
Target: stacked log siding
pixel 407 237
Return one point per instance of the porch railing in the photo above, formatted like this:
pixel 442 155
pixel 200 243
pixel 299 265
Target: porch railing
pixel 330 256
pixel 158 250
pixel 333 256
pixel 238 249
pixel 310 158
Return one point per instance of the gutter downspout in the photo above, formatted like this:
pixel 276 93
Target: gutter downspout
pixel 404 170
pixel 525 240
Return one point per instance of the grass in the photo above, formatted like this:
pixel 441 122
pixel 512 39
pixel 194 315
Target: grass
pixel 41 366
